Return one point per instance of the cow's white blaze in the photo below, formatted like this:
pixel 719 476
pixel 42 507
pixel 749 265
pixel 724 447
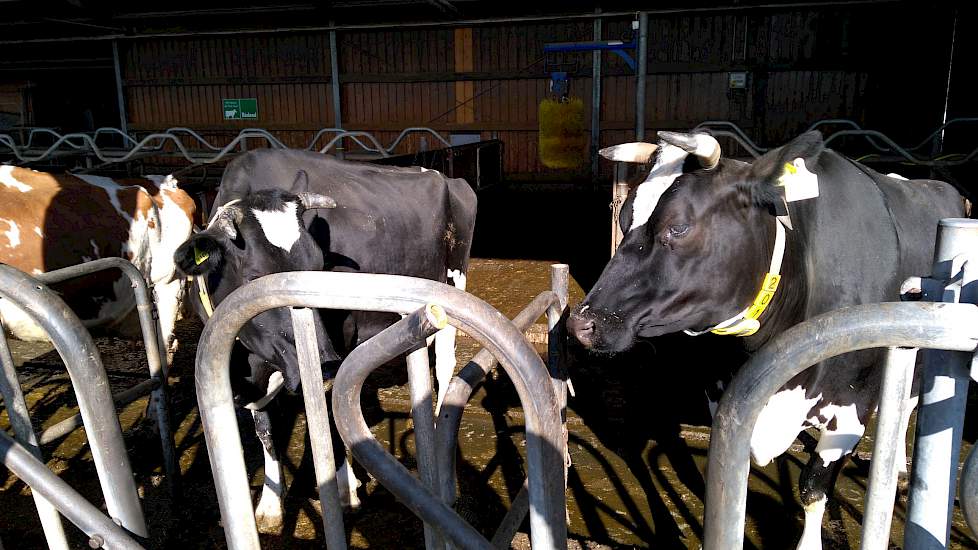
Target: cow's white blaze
pixel 281 227
pixel 12 233
pixel 8 180
pixel 811 537
pixel 779 423
pixel 843 437
pixel 668 166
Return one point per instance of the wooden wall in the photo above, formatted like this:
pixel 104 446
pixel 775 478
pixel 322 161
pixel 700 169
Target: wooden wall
pixel 803 65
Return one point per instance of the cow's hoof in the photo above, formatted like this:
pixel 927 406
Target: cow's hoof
pixel 269 522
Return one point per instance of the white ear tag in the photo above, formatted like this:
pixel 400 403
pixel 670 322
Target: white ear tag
pixel 799 184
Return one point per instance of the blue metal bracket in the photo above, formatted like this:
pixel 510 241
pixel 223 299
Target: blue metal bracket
pixel 615 46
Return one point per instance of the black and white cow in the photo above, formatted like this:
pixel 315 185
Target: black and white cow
pixel 287 210
pixel 750 250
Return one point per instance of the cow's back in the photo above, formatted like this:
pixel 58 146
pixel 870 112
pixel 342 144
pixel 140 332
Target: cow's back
pixel 405 221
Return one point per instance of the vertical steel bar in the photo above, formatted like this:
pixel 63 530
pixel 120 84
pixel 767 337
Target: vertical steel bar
pixel 20 420
pixel 419 383
pixel 643 54
pixel 595 99
pixel 120 95
pixel 943 399
pixel 317 420
pixel 334 79
pixel 76 347
pixel 893 401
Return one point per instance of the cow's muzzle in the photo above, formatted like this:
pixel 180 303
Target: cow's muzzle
pixel 581 326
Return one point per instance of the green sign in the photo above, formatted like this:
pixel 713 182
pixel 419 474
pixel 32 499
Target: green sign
pixel 240 109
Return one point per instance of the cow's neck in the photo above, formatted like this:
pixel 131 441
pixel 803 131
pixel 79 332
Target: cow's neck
pixel 787 306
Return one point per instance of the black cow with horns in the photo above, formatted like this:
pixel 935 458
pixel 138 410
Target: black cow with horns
pixel 751 249
pixel 288 210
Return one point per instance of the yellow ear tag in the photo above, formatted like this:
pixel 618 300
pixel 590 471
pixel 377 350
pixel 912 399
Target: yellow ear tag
pixel 798 182
pixel 199 256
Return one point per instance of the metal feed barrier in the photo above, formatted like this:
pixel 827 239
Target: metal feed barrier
pixel 91 386
pixel 951 326
pixel 427 306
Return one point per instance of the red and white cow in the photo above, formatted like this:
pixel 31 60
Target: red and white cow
pixel 52 221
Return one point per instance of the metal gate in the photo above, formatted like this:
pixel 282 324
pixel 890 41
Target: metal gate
pixel 951 326
pixel 427 306
pixel 77 349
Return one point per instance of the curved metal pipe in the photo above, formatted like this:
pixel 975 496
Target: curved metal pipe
pixel 387 293
pixel 91 386
pixel 910 324
pixel 102 530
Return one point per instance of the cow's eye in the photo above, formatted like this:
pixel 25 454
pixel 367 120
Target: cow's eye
pixel 678 230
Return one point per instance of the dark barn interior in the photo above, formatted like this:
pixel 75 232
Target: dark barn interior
pixel 475 73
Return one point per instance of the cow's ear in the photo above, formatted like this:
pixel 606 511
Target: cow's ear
pixel 770 167
pixel 202 253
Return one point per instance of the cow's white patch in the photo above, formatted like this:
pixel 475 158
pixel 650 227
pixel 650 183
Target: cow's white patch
pixel 811 537
pixel 894 175
pixel 38 232
pixel 18 324
pixel 111 188
pixel 281 227
pixel 8 180
pixel 779 423
pixel 268 512
pixel 275 384
pixel 836 442
pixel 668 166
pixel 348 484
pixel 12 233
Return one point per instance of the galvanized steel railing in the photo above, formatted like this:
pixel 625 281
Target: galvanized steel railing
pixel 430 497
pixel 102 428
pixel 933 326
pixel 188 143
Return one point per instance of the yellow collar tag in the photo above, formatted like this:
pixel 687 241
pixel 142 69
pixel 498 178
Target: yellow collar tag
pixel 750 322
pixel 199 256
pixel 205 298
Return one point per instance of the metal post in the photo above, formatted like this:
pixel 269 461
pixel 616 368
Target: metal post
pixel 74 343
pixel 893 401
pixel 595 99
pixel 643 53
pixel 103 531
pixel 120 96
pixel 20 420
pixel 317 421
pixel 943 399
pixel 334 71
pixel 419 384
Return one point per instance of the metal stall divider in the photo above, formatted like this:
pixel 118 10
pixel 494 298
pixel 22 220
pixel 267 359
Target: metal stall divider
pixel 395 294
pixel 156 385
pixel 75 346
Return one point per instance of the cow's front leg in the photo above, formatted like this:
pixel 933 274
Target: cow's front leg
pixel 268 512
pixel 814 485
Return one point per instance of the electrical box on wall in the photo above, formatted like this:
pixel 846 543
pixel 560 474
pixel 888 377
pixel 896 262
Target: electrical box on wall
pixel 738 80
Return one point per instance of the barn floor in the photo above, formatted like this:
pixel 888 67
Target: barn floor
pixel 637 429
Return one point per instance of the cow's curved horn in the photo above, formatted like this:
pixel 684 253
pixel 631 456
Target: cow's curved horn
pixel 315 200
pixel 629 152
pixel 227 220
pixel 704 146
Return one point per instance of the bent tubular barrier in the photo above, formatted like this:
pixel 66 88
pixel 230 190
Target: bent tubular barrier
pixel 91 387
pixel 923 325
pixel 102 531
pixel 157 385
pixel 385 293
